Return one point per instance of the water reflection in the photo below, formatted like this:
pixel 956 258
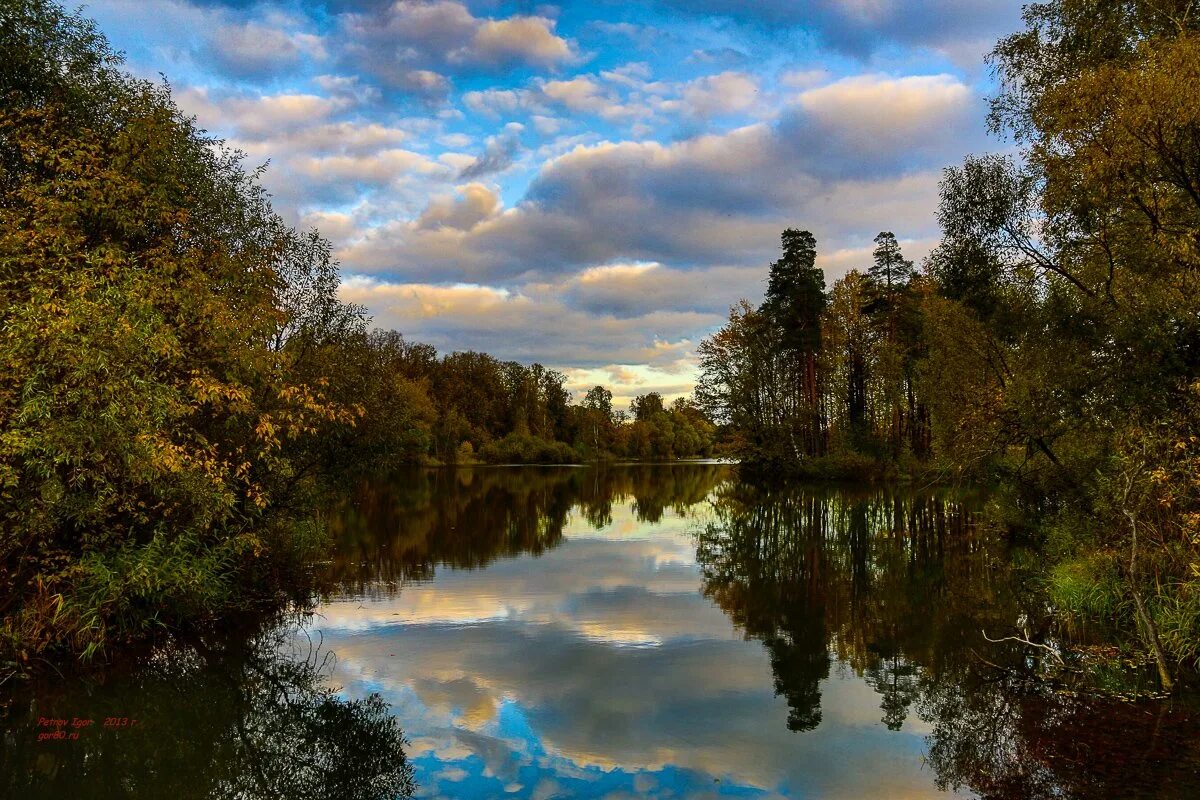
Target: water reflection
pixel 878 581
pixel 898 589
pixel 400 530
pixel 679 633
pixel 654 631
pixel 251 718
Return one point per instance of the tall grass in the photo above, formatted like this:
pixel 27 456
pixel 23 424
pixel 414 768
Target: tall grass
pixel 173 581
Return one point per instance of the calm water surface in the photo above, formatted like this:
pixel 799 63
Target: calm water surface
pixel 644 631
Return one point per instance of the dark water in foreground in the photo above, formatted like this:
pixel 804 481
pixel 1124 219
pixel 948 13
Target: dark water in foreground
pixel 644 631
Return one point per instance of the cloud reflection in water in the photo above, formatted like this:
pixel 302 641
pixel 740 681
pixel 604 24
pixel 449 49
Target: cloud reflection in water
pixel 599 668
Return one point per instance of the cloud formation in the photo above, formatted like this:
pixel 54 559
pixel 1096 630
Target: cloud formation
pixel 859 27
pixel 497 156
pixel 412 46
pixel 512 324
pixel 715 95
pixel 256 50
pixel 586 185
pixel 711 199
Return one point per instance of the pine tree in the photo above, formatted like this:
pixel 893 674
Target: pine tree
pixel 796 293
pixel 794 304
pixel 891 270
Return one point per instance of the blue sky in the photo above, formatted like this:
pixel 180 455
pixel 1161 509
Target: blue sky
pixel 589 185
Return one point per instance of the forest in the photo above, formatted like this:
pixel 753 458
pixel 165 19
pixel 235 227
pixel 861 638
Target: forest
pixel 179 380
pixel 1049 346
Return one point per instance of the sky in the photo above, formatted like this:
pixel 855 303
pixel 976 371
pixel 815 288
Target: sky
pixel 587 185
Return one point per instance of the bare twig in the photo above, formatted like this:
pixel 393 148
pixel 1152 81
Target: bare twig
pixel 1045 647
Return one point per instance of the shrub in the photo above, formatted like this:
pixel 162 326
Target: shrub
pixel 517 448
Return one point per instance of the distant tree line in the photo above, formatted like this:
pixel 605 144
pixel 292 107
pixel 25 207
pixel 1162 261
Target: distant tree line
pixel 179 378
pixel 1050 345
pixel 468 407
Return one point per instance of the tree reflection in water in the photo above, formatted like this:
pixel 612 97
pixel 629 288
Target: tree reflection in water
pixel 252 719
pixel 1005 736
pixel 898 587
pixel 892 586
pixel 763 563
pixel 400 530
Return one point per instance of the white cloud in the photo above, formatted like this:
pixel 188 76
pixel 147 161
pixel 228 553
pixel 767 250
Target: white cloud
pixel 583 94
pixel 727 93
pixel 415 46
pixel 547 126
pixel 829 165
pixel 515 324
pixel 456 140
pixel 578 94
pixel 528 40
pixel 379 168
pixel 257 116
pixel 250 49
pixel 638 288
pixel 496 102
pixel 888 111
pixel 474 202
pixel 860 28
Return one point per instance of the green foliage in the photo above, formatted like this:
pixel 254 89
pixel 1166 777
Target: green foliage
pixel 658 433
pixel 645 406
pixel 383 377
pixel 517 448
pixel 1092 240
pixel 1087 588
pixel 890 271
pixel 801 380
pixel 1052 345
pixel 148 414
pixel 795 294
pixel 844 465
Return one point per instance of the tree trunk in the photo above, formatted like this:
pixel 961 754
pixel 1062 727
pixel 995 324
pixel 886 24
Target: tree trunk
pixel 1147 621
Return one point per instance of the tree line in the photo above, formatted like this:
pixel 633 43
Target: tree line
pixel 467 407
pixel 179 378
pixel 823 382
pixel 1049 346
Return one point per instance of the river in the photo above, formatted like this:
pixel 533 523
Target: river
pixel 662 631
